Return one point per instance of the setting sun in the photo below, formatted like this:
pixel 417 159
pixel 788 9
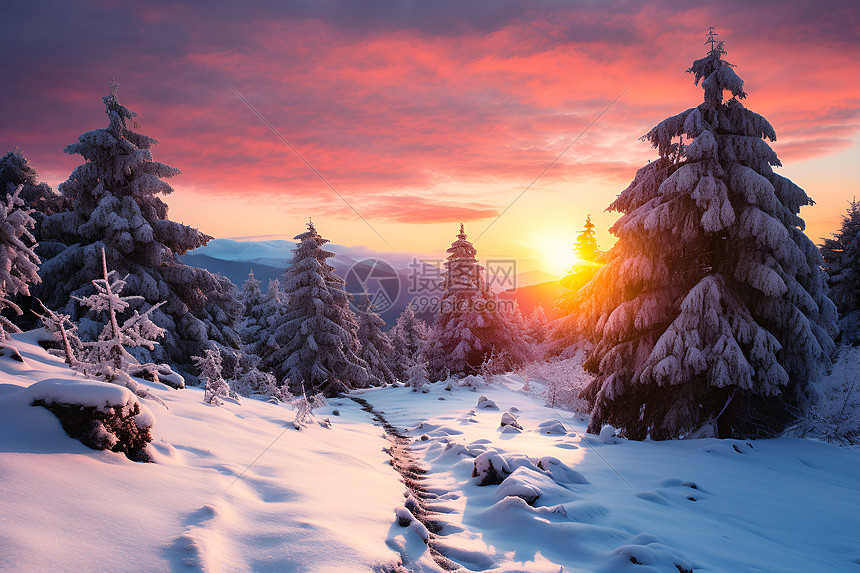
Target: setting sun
pixel 558 258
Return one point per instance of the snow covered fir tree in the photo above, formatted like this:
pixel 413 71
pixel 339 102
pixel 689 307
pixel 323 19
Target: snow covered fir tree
pixel 315 343
pixel 408 337
pixel 842 262
pixel 19 265
pixel 470 325
pixel 587 256
pixel 586 248
pixel 15 170
pixel 114 205
pixel 711 316
pixel 376 349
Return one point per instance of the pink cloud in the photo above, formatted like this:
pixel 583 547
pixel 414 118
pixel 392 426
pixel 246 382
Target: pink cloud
pixel 403 114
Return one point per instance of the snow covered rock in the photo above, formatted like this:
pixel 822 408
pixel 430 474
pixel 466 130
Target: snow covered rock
pixel 102 416
pixel 484 402
pixel 510 420
pixel 490 468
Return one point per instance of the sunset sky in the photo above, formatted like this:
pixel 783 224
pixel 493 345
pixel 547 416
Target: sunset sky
pixel 423 115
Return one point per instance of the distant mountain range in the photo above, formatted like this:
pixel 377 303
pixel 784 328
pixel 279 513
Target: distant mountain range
pixel 394 279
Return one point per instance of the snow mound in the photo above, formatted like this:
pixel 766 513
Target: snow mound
pixel 490 468
pixel 560 472
pixel 551 428
pixel 647 550
pixel 607 434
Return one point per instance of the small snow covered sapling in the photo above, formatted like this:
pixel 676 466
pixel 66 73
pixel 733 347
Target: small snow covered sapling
pixel 210 374
pixel 64 331
pixel 304 408
pixel 107 352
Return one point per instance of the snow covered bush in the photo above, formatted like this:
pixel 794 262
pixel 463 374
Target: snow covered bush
pixel 250 380
pixel 842 263
pixel 834 413
pixel 563 381
pixel 115 206
pixel 101 416
pixel 711 316
pixel 316 345
pixel 19 265
pixel 210 375
pixel 305 408
pixel 418 378
pixel 470 325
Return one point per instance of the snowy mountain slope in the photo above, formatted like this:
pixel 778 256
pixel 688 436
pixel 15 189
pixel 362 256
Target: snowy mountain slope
pixel 235 488
pixel 314 501
pixel 236 271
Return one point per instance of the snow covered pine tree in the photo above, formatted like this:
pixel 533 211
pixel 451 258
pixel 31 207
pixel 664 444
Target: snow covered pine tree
pixel 711 315
pixel 115 207
pixel 316 343
pixel 19 265
pixel 375 346
pixel 407 337
pixel 842 263
pixel 470 324
pixel 16 170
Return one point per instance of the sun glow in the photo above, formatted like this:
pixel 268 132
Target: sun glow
pixel 559 257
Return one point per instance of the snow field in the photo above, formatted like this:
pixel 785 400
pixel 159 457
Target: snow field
pixel 317 500
pixel 701 505
pixel 236 488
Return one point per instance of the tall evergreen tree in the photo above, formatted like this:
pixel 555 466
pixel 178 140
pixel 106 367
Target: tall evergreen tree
pixel 470 325
pixel 258 336
pixel 253 316
pixel 711 315
pixel 842 262
pixel 408 337
pixel 115 206
pixel 587 252
pixel 538 324
pixel 317 342
pixel 19 265
pixel 375 346
pixel 586 243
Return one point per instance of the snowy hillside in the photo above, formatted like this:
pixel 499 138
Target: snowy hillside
pixel 237 488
